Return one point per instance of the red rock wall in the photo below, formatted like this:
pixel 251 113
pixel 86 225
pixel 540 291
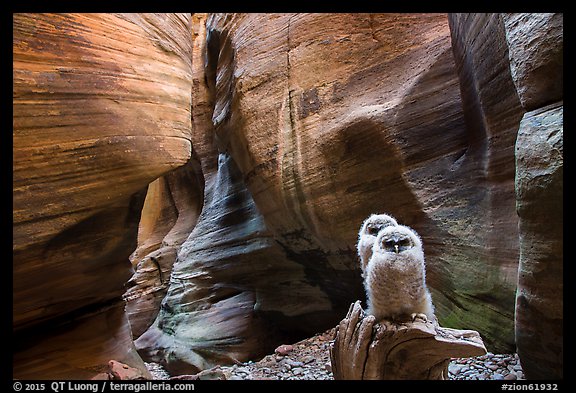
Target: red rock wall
pixel 170 212
pixel 232 158
pixel 101 108
pixel 306 124
pixel 492 113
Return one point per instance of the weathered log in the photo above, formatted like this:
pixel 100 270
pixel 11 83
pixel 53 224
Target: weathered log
pixel 414 349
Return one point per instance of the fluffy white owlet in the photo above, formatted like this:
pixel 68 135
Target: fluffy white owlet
pixel 370 228
pixel 395 278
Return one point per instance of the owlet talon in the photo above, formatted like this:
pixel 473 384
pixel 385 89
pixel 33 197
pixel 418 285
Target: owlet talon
pixel 418 315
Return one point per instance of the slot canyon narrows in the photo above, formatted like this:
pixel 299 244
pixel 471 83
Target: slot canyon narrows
pixel 188 188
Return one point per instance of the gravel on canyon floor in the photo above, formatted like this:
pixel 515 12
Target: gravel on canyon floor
pixel 310 359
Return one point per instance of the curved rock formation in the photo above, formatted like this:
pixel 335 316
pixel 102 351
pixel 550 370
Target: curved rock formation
pixel 527 52
pixel 492 113
pixel 101 108
pixel 319 120
pixel 173 203
pixel 211 313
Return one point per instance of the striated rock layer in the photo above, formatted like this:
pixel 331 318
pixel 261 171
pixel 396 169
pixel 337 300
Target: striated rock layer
pixel 101 108
pixel 304 124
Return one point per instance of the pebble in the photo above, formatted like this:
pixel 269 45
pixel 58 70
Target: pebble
pixel 310 359
pixel 294 363
pixel 455 368
pixel 488 366
pixel 284 349
pixel 297 370
pixel 157 371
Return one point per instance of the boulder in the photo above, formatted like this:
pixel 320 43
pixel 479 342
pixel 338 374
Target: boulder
pixel 123 372
pixel 539 187
pixel 535 42
pixel 536 46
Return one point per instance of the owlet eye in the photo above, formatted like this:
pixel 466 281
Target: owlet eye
pixel 373 229
pixel 389 244
pixel 405 243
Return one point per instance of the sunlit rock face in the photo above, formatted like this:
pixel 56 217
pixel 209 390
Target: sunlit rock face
pixel 170 212
pixel 101 108
pixel 304 124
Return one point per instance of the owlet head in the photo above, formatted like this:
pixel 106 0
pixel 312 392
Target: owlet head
pixel 375 223
pixel 371 227
pixel 398 239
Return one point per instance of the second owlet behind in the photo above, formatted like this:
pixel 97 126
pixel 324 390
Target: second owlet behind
pixel 395 276
pixel 369 230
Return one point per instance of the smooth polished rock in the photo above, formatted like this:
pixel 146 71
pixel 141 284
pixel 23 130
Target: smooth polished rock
pixel 101 106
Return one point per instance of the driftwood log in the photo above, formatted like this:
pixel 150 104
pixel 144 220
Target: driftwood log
pixel 415 349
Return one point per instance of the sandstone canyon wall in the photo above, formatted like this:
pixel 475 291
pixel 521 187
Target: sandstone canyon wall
pixel 232 158
pixel 536 53
pixel 101 108
pixel 309 123
pixel 529 101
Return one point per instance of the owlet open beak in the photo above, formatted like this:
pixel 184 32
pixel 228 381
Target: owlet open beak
pixel 396 248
